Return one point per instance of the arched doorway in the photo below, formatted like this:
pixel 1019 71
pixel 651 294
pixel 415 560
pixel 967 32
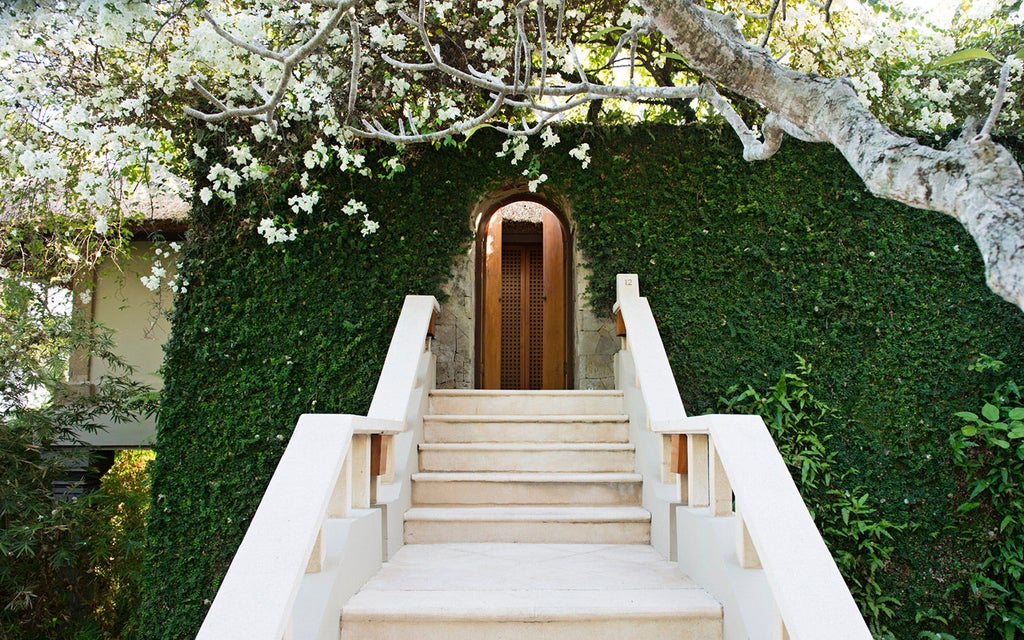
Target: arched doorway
pixel 523 275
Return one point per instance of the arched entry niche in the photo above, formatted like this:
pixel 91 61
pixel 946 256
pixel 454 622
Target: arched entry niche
pixel 524 297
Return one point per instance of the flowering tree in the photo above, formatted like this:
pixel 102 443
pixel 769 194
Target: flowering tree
pixel 94 93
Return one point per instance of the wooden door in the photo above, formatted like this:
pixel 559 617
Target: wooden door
pixel 524 311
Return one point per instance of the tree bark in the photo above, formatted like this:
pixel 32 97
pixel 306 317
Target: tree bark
pixel 973 180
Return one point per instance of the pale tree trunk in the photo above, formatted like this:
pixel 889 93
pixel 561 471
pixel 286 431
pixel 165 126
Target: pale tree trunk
pixel 973 180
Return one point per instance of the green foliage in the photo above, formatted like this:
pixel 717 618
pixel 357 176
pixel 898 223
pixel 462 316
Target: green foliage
pixel 68 566
pixel 967 55
pixel 861 541
pixel 744 264
pixel 989 449
pixel 268 332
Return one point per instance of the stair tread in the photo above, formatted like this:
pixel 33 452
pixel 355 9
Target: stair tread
pixel 526 446
pixel 534 604
pixel 526 582
pixel 531 513
pixel 523 392
pixel 525 417
pixel 525 476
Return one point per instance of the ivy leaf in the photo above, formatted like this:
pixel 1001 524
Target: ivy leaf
pixel 999 442
pixel 967 507
pixel 603 32
pixel 1017 413
pixel 991 412
pixel 966 55
pixel 1016 432
pixel 966 415
pixel 469 132
pixel 969 430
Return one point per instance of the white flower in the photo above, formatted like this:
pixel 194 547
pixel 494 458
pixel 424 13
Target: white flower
pixel 241 155
pixel 304 202
pixel 369 226
pixel 582 153
pixel 549 137
pixel 101 226
pixel 536 182
pixel 516 146
pixel 205 195
pixel 498 19
pixel 273 234
pixel 353 206
pixel 381 6
pixel 85 296
pixel 150 282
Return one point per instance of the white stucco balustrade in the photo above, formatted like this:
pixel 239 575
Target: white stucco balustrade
pixel 766 561
pixel 315 531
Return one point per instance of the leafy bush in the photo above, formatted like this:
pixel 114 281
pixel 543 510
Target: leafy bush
pixel 989 449
pixel 67 566
pixel 860 540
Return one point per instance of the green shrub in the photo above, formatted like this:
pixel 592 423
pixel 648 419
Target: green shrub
pixel 989 450
pixel 861 541
pixel 68 567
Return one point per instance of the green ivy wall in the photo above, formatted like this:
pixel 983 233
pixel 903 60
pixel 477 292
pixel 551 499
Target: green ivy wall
pixel 745 265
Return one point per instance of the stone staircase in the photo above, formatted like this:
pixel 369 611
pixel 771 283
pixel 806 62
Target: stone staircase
pixel 526 523
pixel 526 467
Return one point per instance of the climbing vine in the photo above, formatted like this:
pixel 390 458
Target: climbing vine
pixel 744 265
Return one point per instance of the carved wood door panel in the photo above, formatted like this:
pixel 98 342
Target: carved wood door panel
pixel 524 309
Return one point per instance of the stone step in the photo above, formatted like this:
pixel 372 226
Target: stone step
pixel 445 489
pixel 536 591
pixel 526 428
pixel 552 457
pixel 479 401
pixel 533 524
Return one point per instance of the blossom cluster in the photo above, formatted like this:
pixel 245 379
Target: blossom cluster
pixel 274 231
pixel 158 272
pixel 107 79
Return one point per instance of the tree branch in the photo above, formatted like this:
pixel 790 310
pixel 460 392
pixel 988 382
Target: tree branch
pixel 774 128
pixel 1000 97
pixel 977 182
pixel 770 22
pixel 289 59
pixel 378 131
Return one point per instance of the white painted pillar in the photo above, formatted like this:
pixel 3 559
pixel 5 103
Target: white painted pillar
pixel 697 474
pixel 718 484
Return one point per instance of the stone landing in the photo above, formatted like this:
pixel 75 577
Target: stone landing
pixel 496 591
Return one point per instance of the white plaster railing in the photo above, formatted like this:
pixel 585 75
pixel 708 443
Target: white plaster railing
pixel 324 478
pixel 766 561
pixel 653 373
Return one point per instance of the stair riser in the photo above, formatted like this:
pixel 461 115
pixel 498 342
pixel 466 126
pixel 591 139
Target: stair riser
pixel 562 461
pixel 444 531
pixel 470 493
pixel 526 405
pixel 653 628
pixel 441 431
